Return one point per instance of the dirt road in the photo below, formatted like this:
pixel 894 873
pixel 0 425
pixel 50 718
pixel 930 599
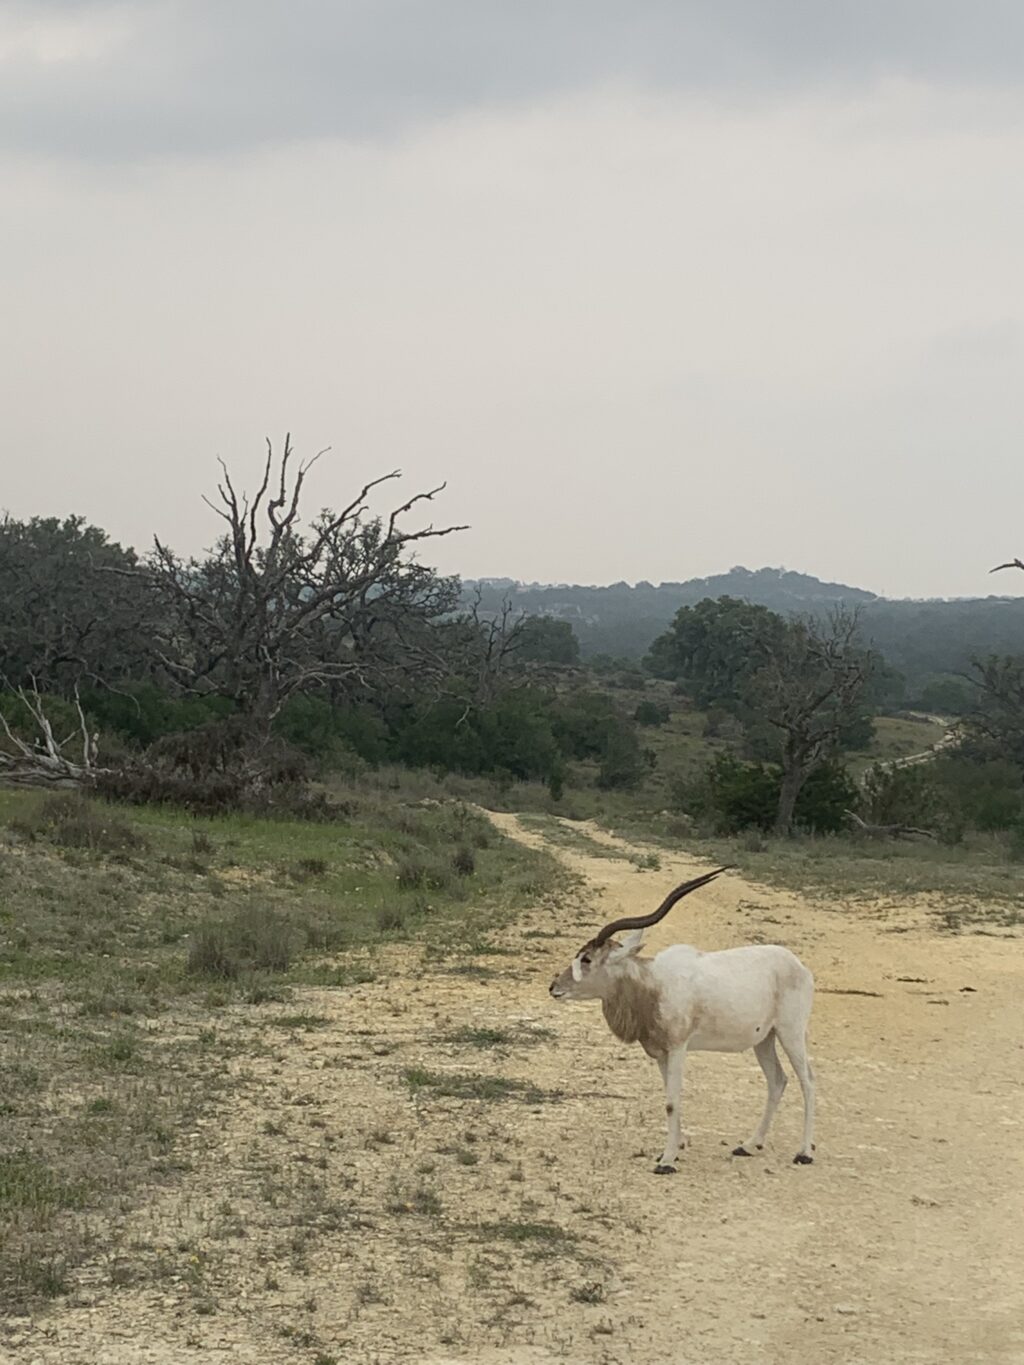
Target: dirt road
pixel 332 1214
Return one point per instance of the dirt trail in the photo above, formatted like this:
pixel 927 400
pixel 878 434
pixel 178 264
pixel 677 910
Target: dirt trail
pixel 903 1243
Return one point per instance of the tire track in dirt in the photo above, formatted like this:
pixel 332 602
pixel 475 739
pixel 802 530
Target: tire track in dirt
pixel 901 1244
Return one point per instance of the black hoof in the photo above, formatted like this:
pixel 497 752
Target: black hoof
pixel 742 1151
pixel 664 1170
pixel 803 1159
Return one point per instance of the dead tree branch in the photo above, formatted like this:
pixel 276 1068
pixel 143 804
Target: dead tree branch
pixel 896 831
pixel 45 762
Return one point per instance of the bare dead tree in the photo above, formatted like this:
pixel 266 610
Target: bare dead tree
pixel 47 761
pixel 808 689
pixel 279 606
pixel 491 641
pixel 1010 564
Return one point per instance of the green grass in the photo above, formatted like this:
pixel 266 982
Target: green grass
pixel 114 920
pixel 483 1036
pixel 896 737
pixel 471 1086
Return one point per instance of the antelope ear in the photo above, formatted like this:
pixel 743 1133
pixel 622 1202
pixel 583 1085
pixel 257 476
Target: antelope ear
pixel 631 944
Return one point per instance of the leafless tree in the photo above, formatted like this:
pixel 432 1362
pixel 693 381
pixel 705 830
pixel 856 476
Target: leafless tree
pixel 280 606
pixel 808 689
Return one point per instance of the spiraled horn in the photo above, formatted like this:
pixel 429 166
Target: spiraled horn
pixel 645 921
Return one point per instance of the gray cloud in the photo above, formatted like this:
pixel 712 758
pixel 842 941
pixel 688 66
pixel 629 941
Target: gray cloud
pixel 110 79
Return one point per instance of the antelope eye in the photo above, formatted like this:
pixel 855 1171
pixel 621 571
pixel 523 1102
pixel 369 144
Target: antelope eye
pixel 585 958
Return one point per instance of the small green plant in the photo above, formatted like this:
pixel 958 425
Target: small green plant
pixel 423 872
pixel 305 869
pixel 26 1182
pixel 482 1037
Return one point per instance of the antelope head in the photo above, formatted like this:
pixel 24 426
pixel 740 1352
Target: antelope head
pixel 593 969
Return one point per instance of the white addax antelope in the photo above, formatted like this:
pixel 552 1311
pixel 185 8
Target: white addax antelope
pixel 684 1000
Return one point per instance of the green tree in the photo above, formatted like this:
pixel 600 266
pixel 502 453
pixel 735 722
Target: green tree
pixel 545 640
pixel 73 607
pixel 711 650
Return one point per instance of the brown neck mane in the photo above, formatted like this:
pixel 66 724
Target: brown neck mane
pixel 631 1009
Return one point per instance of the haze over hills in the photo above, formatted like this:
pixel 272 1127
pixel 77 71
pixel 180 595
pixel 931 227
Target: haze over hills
pixel 920 638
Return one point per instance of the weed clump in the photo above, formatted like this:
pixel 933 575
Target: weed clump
pixel 72 821
pixel 422 872
pixel 255 939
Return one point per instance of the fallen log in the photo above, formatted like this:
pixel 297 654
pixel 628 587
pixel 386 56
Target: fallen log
pixel 897 831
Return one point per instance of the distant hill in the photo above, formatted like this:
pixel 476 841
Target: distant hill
pixel 919 638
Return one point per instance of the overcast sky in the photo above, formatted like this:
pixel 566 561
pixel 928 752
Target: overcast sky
pixel 657 286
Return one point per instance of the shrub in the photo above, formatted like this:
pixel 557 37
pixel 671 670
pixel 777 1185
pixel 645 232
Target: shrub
pixel 826 796
pixel 210 953
pixel 417 871
pixel 305 869
pixel 731 795
pixel 622 763
pixel 141 784
pixel 256 938
pixel 464 861
pixel 72 821
pixel 949 794
pixel 650 712
pixel 390 920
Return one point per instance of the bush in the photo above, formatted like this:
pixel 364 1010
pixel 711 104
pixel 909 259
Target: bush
pixel 210 953
pixel 417 871
pixel 582 723
pixel 255 939
pixel 464 861
pixel 338 738
pixel 650 712
pixel 826 796
pixel 512 737
pixel 730 795
pixel 72 821
pixel 141 714
pixel 622 763
pixel 390 920
pixel 949 794
pixel 140 784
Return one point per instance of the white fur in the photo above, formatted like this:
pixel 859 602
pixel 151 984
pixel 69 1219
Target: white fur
pixel 724 1001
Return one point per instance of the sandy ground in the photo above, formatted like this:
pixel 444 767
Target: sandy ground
pixel 299 1234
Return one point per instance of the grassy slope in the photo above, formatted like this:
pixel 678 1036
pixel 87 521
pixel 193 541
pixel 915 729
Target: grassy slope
pixel 109 1040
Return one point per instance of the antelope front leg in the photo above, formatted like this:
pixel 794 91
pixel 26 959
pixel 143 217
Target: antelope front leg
pixel 672 1075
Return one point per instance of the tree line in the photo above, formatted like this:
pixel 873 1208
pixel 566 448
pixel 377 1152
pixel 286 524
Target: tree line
pixel 301 642
pixel 800 692
pixel 325 634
